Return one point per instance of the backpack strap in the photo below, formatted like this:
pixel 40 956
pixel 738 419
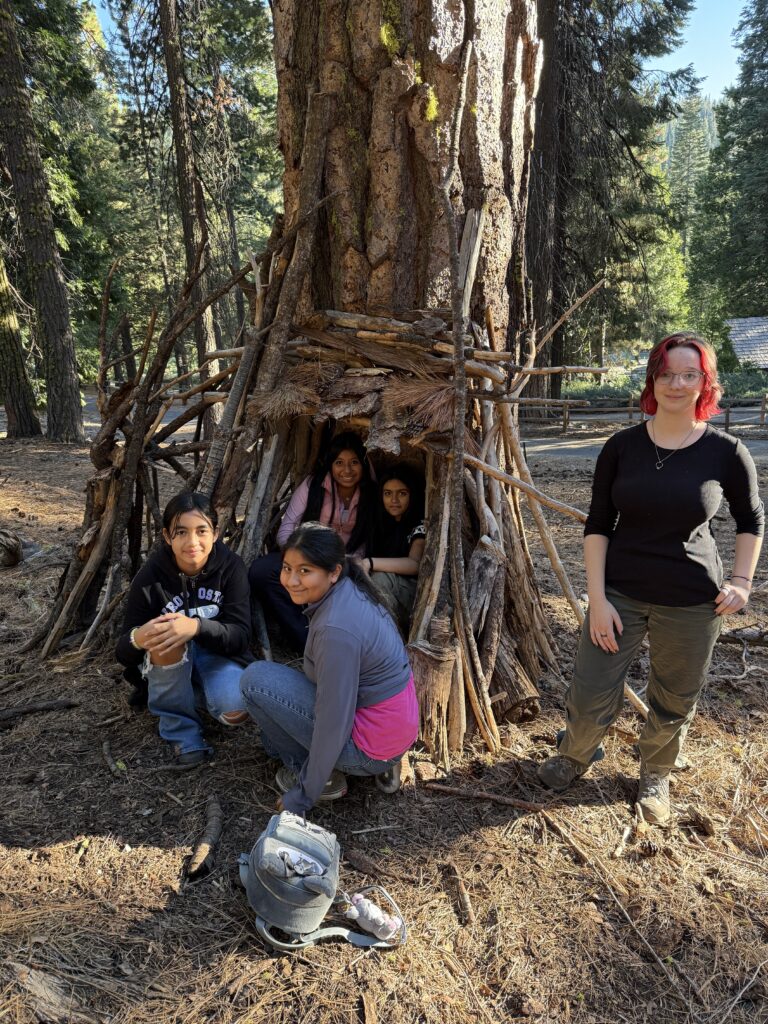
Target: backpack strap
pixel 330 932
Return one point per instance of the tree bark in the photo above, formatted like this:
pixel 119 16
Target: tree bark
pixel 383 241
pixel 15 389
pixel 191 202
pixel 46 273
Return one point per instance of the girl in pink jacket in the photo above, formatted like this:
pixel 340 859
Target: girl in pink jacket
pixel 340 493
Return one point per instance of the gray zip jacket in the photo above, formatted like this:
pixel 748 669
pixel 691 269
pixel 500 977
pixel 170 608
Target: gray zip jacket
pixel 355 658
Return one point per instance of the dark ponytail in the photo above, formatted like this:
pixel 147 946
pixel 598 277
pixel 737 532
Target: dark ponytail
pixel 366 502
pixel 320 545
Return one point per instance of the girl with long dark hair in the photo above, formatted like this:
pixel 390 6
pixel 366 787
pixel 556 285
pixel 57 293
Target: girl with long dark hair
pixel 653 567
pixel 188 626
pixel 340 493
pixel 353 709
pixel 398 537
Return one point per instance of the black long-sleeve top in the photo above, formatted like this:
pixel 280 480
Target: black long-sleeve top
pixel 661 547
pixel 219 596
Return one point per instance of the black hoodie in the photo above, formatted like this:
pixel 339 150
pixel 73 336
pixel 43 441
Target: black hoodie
pixel 219 596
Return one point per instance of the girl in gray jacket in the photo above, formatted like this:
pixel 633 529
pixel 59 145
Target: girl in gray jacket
pixel 353 709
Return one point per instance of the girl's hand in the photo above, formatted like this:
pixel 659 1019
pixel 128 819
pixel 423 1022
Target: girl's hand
pixel 279 805
pixel 162 634
pixel 731 599
pixel 604 623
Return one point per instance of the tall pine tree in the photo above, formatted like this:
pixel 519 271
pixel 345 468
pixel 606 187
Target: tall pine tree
pixel 729 272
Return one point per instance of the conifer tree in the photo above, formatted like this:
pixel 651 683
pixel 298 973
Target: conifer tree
pixel 688 161
pixel 729 273
pixel 43 260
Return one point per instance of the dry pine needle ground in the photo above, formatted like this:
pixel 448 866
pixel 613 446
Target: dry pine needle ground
pixel 96 918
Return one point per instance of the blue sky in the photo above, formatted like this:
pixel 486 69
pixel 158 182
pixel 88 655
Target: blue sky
pixel 709 45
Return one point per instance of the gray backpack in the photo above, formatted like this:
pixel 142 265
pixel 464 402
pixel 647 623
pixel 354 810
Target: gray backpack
pixel 291 877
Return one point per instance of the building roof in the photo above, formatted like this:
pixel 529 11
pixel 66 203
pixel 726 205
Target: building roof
pixel 749 337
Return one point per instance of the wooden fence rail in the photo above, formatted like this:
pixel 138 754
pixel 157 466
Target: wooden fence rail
pixel 631 409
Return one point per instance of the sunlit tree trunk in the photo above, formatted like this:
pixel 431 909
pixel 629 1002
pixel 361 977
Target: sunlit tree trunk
pixel 15 389
pixel 393 68
pixel 44 266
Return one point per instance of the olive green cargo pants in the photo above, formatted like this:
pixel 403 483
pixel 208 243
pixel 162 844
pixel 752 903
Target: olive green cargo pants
pixel 681 642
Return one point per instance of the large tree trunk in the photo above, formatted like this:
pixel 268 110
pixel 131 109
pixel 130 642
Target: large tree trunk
pixel 15 390
pixel 191 202
pixel 46 273
pixel 382 241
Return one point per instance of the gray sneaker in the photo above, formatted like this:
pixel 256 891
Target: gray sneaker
pixel 389 781
pixel 559 772
pixel 653 797
pixel 335 787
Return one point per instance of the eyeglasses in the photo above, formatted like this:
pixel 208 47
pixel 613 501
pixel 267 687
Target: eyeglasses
pixel 689 379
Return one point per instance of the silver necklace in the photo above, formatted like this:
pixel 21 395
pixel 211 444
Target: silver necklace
pixel 659 461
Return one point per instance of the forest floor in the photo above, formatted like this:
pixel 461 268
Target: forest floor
pixel 576 915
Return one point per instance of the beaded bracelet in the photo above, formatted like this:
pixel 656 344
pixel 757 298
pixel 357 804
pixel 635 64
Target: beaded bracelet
pixel 735 577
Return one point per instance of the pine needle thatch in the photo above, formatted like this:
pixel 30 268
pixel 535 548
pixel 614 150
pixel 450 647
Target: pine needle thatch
pixel 431 400
pixel 298 394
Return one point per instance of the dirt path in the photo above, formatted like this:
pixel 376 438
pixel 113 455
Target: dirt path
pixel 92 893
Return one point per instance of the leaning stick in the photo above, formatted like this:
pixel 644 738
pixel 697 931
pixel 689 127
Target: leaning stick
pixel 207 385
pixel 529 489
pixel 105 601
pixel 201 860
pixel 568 313
pixel 460 371
pixel 437 573
pixel 513 442
pixel 221 353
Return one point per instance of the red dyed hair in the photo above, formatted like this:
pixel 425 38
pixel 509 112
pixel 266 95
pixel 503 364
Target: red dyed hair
pixel 706 406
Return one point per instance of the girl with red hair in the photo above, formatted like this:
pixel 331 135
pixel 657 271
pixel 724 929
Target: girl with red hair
pixel 653 567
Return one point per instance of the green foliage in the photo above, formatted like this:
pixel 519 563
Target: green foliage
pixel 687 163
pixel 101 110
pixel 618 221
pixel 729 238
pixel 618 384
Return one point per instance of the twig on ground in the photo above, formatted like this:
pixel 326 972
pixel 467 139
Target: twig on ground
pixel 7 715
pixel 204 852
pixel 464 900
pixel 720 1016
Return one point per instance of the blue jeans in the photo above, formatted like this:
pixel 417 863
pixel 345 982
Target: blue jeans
pixel 176 693
pixel 281 701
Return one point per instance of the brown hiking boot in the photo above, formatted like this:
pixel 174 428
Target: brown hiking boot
pixel 559 772
pixel 653 796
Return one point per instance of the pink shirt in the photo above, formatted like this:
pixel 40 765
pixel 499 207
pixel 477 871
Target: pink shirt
pixel 388 729
pixel 343 518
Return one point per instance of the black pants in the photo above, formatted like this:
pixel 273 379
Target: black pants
pixel 264 578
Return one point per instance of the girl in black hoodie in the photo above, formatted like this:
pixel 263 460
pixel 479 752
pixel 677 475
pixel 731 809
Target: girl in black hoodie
pixel 188 627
